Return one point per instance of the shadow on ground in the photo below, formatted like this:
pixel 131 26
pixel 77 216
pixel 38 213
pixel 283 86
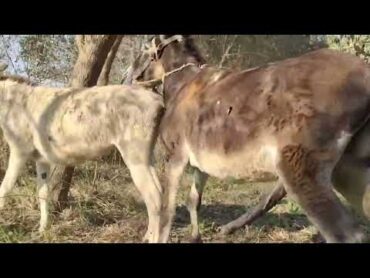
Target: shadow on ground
pixel 221 214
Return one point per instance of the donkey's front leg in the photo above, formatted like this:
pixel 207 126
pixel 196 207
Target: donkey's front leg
pixel 15 165
pixel 43 177
pixel 174 170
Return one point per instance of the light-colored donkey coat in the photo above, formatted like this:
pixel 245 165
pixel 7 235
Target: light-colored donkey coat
pixel 68 126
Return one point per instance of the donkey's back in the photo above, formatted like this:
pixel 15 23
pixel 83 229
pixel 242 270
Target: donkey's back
pixel 67 126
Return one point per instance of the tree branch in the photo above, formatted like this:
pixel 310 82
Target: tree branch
pixel 104 75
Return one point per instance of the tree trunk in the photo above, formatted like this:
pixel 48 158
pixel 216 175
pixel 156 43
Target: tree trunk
pixel 104 75
pixel 93 52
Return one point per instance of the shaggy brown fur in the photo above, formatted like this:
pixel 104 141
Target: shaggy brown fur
pixel 293 118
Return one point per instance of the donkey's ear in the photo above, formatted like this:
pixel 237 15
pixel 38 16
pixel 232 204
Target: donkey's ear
pixel 165 38
pixel 3 66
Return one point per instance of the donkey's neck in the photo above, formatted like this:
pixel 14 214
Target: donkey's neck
pixel 12 92
pixel 177 80
pixel 181 62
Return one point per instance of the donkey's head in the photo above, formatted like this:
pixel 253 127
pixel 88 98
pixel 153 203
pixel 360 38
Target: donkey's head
pixel 169 60
pixel 163 54
pixel 141 64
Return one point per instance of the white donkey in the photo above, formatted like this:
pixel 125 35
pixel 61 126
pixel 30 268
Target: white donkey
pixel 68 126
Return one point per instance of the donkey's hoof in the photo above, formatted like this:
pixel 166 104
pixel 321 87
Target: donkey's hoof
pixel 318 238
pixel 147 237
pixel 196 239
pixel 224 230
pixel 43 229
pixel 358 237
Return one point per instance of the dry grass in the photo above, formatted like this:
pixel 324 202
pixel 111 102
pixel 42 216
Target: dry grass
pixel 106 207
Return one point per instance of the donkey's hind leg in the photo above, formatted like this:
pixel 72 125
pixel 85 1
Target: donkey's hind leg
pixel 307 178
pixel 147 235
pixel 43 177
pixel 194 202
pixel 267 203
pixel 136 156
pixel 15 166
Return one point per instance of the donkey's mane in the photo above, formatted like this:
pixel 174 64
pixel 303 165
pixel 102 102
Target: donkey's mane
pixel 17 78
pixel 193 49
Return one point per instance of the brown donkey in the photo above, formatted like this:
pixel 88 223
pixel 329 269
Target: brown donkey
pixel 293 118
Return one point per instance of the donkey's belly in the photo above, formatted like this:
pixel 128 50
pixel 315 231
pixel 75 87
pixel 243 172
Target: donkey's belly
pixel 249 163
pixel 72 153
